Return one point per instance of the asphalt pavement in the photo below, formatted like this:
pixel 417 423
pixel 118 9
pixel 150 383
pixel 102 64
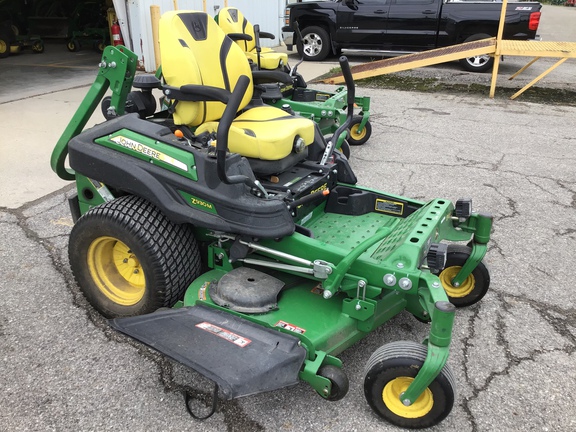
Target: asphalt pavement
pixel 513 354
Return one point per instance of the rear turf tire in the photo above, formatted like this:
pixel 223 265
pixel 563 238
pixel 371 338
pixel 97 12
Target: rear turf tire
pixel 129 259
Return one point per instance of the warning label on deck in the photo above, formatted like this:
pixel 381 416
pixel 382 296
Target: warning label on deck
pixel 392 207
pixel 291 327
pixel 224 334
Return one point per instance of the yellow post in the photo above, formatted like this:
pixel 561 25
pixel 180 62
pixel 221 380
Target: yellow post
pixel 501 23
pixel 155 17
pixel 498 48
pixel 175 2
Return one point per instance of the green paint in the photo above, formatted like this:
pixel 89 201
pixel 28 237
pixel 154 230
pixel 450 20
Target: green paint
pixel 116 72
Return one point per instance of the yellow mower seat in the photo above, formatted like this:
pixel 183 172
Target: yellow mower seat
pixel 231 20
pixel 196 51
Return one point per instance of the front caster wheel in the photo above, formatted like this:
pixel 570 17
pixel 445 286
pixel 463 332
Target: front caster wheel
pixel 129 259
pixel 389 372
pixel 345 149
pixel 338 379
pixel 358 138
pixel 474 286
pixel 73 45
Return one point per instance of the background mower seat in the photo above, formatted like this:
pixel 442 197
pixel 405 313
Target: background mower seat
pixel 201 65
pixel 232 21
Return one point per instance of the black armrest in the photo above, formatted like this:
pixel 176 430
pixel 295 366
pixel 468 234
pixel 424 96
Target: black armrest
pixel 240 36
pixel 270 76
pixel 266 35
pixel 196 93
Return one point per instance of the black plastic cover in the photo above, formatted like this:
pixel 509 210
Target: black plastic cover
pixel 243 358
pixel 238 211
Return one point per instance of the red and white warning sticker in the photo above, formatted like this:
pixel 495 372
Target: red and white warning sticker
pixel 224 334
pixel 291 327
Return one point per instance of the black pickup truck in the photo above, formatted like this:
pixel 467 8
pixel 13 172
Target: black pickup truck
pixel 404 26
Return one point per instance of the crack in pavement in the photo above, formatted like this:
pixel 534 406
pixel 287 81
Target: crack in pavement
pixel 559 319
pixel 233 413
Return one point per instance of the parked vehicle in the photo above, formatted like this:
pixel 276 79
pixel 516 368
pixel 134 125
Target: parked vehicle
pixel 404 26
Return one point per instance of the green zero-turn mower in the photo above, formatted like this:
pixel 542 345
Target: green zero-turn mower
pixel 245 250
pixel 326 108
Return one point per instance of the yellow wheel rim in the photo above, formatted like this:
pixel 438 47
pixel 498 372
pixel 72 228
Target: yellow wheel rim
pixel 116 271
pixel 446 277
pixel 391 397
pixel 355 135
pixel 3 47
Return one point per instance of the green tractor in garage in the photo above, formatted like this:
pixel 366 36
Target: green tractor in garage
pixel 231 237
pixel 12 43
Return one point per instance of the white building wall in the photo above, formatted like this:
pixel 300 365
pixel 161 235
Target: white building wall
pixel 268 13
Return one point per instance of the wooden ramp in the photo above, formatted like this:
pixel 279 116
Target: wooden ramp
pixel 495 47
pixel 417 60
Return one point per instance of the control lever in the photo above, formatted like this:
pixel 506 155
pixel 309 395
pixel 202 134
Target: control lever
pixel 350 87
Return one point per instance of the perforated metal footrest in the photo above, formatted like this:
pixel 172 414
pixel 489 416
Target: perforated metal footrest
pixel 243 358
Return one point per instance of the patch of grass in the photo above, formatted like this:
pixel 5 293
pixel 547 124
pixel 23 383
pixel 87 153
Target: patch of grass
pixel 429 85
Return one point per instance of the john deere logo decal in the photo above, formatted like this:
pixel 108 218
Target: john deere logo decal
pixel 148 151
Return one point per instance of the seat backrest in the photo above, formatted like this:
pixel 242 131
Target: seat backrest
pixel 195 50
pixel 231 20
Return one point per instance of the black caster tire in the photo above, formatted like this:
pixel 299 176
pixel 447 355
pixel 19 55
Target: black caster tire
pixel 339 380
pixel 104 105
pixel 73 45
pixel 38 47
pixel 99 46
pixel 129 259
pixel 345 149
pixel 356 138
pixel 476 285
pixel 389 372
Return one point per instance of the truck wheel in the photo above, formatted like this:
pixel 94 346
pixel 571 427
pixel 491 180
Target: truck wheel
pixel 315 44
pixel 359 138
pixel 389 372
pixel 474 286
pixel 129 259
pixel 480 63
